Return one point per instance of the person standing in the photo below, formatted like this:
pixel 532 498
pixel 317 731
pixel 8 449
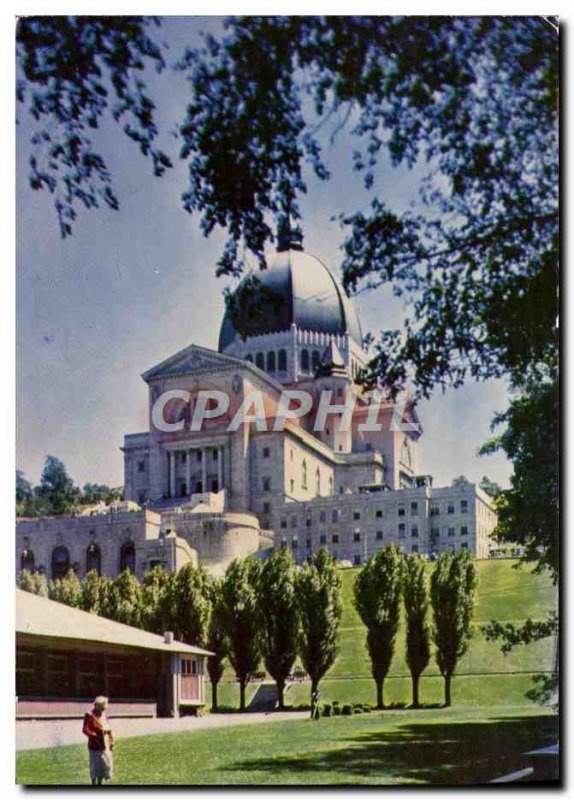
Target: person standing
pixel 100 742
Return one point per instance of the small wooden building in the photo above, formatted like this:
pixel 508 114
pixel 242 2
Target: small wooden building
pixel 65 657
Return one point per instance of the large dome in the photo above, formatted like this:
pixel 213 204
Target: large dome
pixel 297 288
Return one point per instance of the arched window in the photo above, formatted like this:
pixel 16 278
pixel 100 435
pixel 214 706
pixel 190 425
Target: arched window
pixel 271 361
pixel 315 360
pixel 27 560
pixel 128 557
pixel 260 360
pixel 94 559
pixel 249 357
pixel 282 360
pixel 318 481
pixel 304 361
pixel 60 562
pixel 304 474
pixel 331 490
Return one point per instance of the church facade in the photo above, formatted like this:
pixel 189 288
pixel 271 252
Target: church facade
pixel 272 441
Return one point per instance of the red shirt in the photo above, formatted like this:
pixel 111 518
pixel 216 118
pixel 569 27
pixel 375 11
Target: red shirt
pixel 96 734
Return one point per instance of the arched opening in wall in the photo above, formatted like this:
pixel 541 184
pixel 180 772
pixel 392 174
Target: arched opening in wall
pixel 282 361
pixel 271 361
pixel 260 360
pixel 198 487
pixel 304 361
pixel 60 562
pixel 249 358
pixel 94 559
pixel 315 360
pixel 128 557
pixel 183 489
pixel 27 560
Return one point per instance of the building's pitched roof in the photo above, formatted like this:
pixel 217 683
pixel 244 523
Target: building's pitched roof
pixel 39 616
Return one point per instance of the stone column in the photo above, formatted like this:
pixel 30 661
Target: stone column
pixel 188 471
pixel 204 469
pixel 172 473
pixel 220 468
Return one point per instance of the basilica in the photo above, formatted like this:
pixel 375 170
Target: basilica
pixel 336 476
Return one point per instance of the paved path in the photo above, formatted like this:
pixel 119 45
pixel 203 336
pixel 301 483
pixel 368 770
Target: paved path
pixel 32 734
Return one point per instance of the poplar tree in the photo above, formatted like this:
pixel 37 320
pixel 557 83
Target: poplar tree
pixel 241 618
pixel 191 605
pixel 319 608
pixel 377 600
pixel 278 609
pixel 217 640
pixel 415 595
pixel 453 585
pixel 67 590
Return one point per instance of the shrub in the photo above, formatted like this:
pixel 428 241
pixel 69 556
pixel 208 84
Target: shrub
pixel 347 710
pixel 327 710
pixel 337 710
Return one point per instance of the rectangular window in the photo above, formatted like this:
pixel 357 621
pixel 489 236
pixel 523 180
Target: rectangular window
pixel 464 530
pixel 414 509
pixel 464 546
pixel 451 531
pixel 283 522
pixel 294 543
pixel 335 538
pixel 379 513
pixel 415 531
pixel 141 466
pixel 356 515
pixel 357 559
pixel 309 522
pixel 464 506
pixel 401 511
pixel 335 515
pixel 356 537
pixel 266 508
pixel 323 516
pixel 434 511
pixel 322 539
pixel 266 484
pixel 266 452
pixel 283 542
pixel 379 536
pixel 450 509
pixel 308 541
pixel 215 455
pixel 414 548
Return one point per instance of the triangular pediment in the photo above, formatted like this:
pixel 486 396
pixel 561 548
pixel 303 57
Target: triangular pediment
pixel 195 359
pixel 191 360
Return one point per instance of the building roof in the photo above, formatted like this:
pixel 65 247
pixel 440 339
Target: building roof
pixel 39 616
pixel 296 288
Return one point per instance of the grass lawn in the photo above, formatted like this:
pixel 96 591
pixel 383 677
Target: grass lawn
pixel 456 746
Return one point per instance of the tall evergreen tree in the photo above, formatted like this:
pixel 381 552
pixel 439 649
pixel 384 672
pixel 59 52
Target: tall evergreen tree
pixel 377 600
pixel 124 599
pixel 319 608
pixel 277 597
pixel 217 639
pixel 56 487
pixel 33 582
pixel 453 585
pixel 159 599
pixel 241 618
pixel 415 595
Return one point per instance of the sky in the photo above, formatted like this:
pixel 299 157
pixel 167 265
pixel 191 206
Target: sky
pixel 133 286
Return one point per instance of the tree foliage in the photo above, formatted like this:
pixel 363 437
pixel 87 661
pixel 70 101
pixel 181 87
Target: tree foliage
pixel 124 602
pixel 320 609
pixel 415 595
pixel 453 585
pixel 241 617
pixel 73 72
pixel 191 607
pixel 217 639
pixel 33 582
pixel 56 487
pixel 277 598
pixel 159 600
pixel 377 592
pixel 67 590
pixel 528 510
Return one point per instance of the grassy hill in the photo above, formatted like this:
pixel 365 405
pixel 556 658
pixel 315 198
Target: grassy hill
pixel 484 676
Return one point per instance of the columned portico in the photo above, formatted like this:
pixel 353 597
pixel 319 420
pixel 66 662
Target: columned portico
pixel 198 455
